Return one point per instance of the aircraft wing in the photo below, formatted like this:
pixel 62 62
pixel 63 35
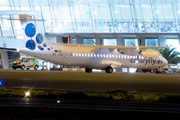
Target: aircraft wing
pixel 129 50
pixel 114 47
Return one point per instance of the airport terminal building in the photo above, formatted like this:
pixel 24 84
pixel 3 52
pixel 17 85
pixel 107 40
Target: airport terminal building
pixel 119 22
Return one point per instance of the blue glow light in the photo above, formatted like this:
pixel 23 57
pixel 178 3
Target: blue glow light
pixel 1 82
pixel 58 101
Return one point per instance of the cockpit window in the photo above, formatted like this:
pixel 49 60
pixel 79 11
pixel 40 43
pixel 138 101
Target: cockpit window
pixel 160 55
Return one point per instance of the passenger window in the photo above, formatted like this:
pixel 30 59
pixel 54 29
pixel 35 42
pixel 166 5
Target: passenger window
pixel 121 56
pixel 139 57
pixel 104 55
pixel 32 59
pixel 113 56
pixel 79 54
pixel 110 56
pixel 91 55
pixel 100 55
pixel 88 55
pixel 76 55
pixel 94 55
pixel 124 56
pixel 127 56
pixel 82 55
pixel 142 57
pixel 27 60
pixel 130 56
pixel 85 55
pixel 116 56
pixel 73 54
pixel 107 55
pixel 97 55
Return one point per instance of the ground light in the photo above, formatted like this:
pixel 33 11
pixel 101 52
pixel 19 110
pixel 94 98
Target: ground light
pixel 58 101
pixel 27 94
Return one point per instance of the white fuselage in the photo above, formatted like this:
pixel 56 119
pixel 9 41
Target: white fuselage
pixel 100 59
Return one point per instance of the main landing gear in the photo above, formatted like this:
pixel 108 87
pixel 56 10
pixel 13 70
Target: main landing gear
pixel 109 69
pixel 88 70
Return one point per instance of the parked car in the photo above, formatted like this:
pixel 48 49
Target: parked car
pixel 26 62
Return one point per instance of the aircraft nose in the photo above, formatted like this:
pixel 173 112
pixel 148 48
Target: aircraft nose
pixel 165 62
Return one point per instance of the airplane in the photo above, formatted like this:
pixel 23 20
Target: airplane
pixel 90 57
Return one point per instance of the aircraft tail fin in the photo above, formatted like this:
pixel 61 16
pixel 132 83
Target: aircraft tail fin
pixel 32 37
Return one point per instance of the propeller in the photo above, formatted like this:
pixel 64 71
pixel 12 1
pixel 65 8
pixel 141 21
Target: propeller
pixel 140 51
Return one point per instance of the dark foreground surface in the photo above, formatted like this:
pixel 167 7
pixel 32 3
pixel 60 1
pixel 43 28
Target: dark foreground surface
pixel 58 80
pixel 43 109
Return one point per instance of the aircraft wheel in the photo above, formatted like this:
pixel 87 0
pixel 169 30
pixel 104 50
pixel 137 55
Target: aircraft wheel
pixel 36 67
pixel 14 68
pixel 152 71
pixel 88 70
pixel 144 70
pixel 22 67
pixel 27 68
pixel 109 69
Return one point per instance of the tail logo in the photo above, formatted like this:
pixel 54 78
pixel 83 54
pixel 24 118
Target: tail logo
pixel 30 31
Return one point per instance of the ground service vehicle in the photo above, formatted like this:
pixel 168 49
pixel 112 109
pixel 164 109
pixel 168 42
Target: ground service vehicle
pixel 26 62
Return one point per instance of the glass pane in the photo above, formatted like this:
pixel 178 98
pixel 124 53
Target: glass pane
pixel 6 26
pixel 53 2
pixel 14 2
pixel 25 8
pixel 46 12
pixel 168 26
pixel 116 13
pixel 43 2
pixel 75 11
pixel 128 42
pixel 126 12
pixel 89 41
pixel 85 12
pixel 124 1
pixel 145 1
pixel 151 42
pixel 95 12
pixel 64 12
pixel 105 12
pixel 135 1
pixel 4 2
pixel 147 12
pixel 17 26
pixel 23 2
pixel 55 12
pixel 111 42
pixel 127 26
pixel 149 26
pixel 173 43
pixel 5 8
pixel 49 26
pixel 93 1
pixel 114 1
pixel 87 26
pixel 103 1
pixel 159 12
pixel 63 1
pixel 138 13
pixel 168 11
pixel 34 2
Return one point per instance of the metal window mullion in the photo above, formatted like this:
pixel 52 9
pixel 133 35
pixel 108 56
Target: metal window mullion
pixel 133 16
pixel 175 17
pixel 111 16
pixel 152 10
pixel 0 27
pixel 43 19
pixel 91 17
pixel 12 27
pixel 71 15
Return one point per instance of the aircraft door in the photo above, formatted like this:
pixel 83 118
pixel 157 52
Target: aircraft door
pixel 64 57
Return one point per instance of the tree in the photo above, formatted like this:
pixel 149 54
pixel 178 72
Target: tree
pixel 170 55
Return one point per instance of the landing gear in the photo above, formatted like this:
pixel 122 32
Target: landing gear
pixel 88 70
pixel 152 71
pixel 109 69
pixel 144 70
